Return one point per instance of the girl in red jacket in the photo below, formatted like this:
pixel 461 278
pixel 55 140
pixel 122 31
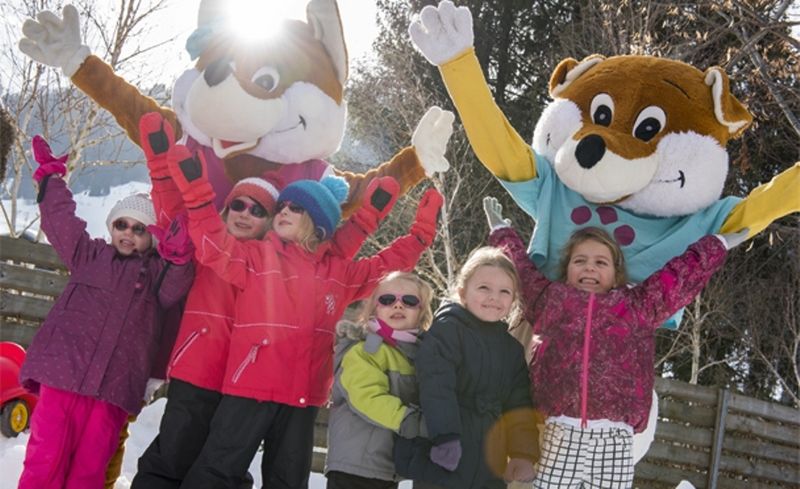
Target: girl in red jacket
pixel 197 365
pixel 594 347
pixel 291 290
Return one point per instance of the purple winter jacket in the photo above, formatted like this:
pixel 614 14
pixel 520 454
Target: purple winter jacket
pixel 615 380
pixel 101 337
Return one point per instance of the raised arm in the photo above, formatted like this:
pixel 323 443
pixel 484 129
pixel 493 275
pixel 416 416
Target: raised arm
pixel 402 254
pixel 679 281
pixel 502 235
pixel 215 248
pixel 379 199
pixel 157 137
pixel 444 36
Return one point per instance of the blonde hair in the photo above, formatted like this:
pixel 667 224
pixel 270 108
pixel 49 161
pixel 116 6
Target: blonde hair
pixel 307 236
pixel 600 236
pixel 425 298
pixel 487 256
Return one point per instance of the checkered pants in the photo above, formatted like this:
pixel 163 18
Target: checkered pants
pixel 576 458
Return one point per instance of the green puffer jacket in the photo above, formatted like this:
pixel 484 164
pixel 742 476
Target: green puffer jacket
pixel 375 396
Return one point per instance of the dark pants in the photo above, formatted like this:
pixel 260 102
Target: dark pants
pixel 181 435
pixel 343 480
pixel 425 485
pixel 237 430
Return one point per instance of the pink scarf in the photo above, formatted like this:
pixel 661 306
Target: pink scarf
pixel 389 335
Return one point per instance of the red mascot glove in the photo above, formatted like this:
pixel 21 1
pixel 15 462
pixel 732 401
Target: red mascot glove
pixel 156 137
pixel 379 199
pixel 174 244
pixel 48 164
pixel 424 227
pixel 190 176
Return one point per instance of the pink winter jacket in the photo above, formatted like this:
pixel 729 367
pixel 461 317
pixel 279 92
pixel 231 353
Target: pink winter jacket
pixel 593 353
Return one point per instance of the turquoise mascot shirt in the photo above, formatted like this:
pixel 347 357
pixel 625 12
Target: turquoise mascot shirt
pixel 648 242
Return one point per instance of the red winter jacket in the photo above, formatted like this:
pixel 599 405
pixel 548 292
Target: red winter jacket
pixel 287 305
pixel 593 353
pixel 200 350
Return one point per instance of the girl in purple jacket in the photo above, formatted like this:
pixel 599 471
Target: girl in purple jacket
pixel 91 358
pixel 594 348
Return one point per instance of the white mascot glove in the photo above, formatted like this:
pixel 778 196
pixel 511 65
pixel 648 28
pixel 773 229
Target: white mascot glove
pixel 430 139
pixel 153 385
pixel 732 240
pixel 55 42
pixel 442 33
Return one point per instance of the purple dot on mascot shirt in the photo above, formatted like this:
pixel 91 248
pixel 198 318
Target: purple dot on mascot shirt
pixel 607 214
pixel 624 235
pixel 581 215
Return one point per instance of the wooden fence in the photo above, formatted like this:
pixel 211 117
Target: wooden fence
pixel 713 438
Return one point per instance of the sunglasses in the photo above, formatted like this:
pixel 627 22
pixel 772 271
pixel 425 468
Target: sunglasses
pixel 297 209
pixel 122 225
pixel 407 299
pixel 256 210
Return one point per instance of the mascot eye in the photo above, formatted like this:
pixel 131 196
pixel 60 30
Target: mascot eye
pixel 649 123
pixel 267 78
pixel 602 109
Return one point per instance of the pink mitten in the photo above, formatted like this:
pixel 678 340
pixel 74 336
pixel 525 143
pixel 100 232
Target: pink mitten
pixel 378 200
pixel 174 244
pixel 424 227
pixel 48 164
pixel 190 175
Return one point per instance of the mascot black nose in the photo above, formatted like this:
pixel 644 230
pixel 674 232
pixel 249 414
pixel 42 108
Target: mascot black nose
pixel 216 72
pixel 590 150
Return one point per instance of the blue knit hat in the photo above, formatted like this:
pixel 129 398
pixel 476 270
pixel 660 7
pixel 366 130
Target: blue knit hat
pixel 321 199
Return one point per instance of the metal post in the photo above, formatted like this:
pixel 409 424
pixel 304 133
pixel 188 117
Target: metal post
pixel 719 436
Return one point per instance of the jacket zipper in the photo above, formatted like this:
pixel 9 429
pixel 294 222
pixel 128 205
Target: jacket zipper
pixel 587 339
pixel 250 358
pixel 185 346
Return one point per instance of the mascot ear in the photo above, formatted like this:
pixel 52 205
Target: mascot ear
pixel 323 17
pixel 568 70
pixel 728 110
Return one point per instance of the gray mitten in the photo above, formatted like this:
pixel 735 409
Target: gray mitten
pixel 413 424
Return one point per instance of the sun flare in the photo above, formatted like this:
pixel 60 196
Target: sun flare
pixel 253 20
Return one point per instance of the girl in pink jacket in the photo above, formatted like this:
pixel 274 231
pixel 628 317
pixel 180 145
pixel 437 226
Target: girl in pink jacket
pixel 594 347
pixel 291 289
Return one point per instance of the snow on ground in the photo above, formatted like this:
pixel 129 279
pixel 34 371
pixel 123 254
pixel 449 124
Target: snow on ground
pixel 12 453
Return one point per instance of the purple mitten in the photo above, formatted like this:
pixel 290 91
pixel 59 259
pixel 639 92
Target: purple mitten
pixel 48 164
pixel 174 244
pixel 447 454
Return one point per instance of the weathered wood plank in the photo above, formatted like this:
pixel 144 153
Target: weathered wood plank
pixel 31 280
pixel 29 308
pixel 21 250
pixel 702 416
pixel 690 435
pixel 18 332
pixel 760 449
pixel 318 462
pixel 760 469
pixel 648 471
pixel 688 392
pixel 789 435
pixel 769 410
pixel 677 454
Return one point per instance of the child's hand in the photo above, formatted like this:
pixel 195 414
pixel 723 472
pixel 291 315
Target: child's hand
pixel 378 200
pixel 174 244
pixel 413 424
pixel 424 227
pixel 156 137
pixel 519 470
pixel 447 454
pixel 494 213
pixel 190 175
pixel 48 164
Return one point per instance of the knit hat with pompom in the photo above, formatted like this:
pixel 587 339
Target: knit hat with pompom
pixel 321 199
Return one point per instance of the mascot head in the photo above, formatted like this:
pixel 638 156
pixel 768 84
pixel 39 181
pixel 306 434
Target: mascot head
pixel 278 99
pixel 645 133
